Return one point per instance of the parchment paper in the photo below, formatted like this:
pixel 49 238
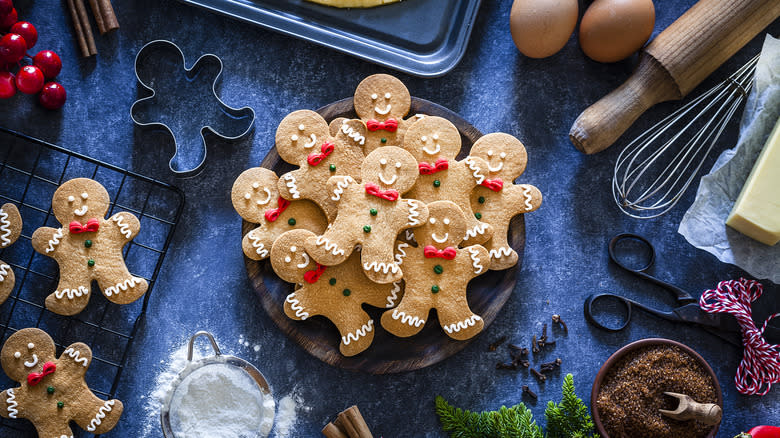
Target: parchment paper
pixel 704 224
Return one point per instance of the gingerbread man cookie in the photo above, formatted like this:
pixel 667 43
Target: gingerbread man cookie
pixel 10 230
pixel 371 214
pixel 88 247
pixel 435 142
pixel 335 292
pixel 52 392
pixel 436 274
pixel 256 199
pixel 501 200
pixel 381 101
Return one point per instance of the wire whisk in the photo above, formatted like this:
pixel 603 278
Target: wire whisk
pixel 656 168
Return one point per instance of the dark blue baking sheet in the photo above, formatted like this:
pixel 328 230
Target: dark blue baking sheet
pixel 425 38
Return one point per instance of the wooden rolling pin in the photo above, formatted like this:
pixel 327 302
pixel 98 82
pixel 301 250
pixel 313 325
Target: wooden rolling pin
pixel 673 64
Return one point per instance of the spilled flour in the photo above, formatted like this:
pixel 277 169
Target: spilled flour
pixel 287 407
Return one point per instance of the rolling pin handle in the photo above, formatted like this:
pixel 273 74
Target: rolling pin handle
pixel 602 123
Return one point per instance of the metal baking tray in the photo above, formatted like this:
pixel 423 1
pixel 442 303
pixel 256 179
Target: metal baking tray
pixel 424 38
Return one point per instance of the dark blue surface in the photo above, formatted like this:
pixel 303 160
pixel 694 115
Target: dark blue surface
pixel 204 284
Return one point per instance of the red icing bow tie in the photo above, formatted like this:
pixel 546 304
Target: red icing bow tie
pixel 314 158
pixel 448 253
pixel 430 169
pixel 77 227
pixel 311 277
pixel 35 378
pixel 389 194
pixel 273 213
pixel 389 125
pixel 493 184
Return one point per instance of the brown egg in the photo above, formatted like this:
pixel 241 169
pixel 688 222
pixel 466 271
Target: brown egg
pixel 612 30
pixel 540 28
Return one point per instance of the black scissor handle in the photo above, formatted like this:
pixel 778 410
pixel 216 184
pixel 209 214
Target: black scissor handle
pixel 589 310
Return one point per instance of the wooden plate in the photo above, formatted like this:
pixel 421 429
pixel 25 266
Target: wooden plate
pixel 388 354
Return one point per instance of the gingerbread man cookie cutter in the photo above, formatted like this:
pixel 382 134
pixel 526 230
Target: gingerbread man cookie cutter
pixel 159 109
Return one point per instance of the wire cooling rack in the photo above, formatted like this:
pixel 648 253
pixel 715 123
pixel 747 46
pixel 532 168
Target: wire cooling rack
pixel 30 172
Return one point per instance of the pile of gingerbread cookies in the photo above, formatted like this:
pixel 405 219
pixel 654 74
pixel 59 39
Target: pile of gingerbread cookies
pixel 380 212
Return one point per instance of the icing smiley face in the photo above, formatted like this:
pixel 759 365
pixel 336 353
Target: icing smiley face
pixel 431 138
pixel 505 155
pixel 390 167
pixel 381 97
pixel 299 134
pixel 25 354
pixel 446 225
pixel 288 258
pixel 80 199
pixel 254 192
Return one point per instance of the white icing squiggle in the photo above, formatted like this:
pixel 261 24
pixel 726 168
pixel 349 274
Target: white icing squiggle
pixel 292 186
pixel 341 184
pixel 475 260
pixel 55 240
pixel 354 135
pixel 527 195
pixel 475 170
pixel 12 403
pixel 329 246
pixel 361 332
pixel 123 227
pixel 5 228
pixel 412 217
pixel 394 294
pixel 100 416
pixel 129 283
pixel 71 293
pixel 410 235
pixel 4 269
pixel 401 254
pixel 75 355
pixel 500 252
pixel 407 319
pixel 381 266
pixel 257 244
pixel 462 325
pixel 296 306
pixel 476 229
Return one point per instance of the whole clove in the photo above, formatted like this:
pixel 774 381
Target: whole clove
pixel 506 366
pixel 539 376
pixel 556 319
pixel 550 366
pixel 534 345
pixel 493 345
pixel 518 349
pixel 544 332
pixel 528 391
pixel 524 363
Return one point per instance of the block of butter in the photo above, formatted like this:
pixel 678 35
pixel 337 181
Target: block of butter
pixel 756 213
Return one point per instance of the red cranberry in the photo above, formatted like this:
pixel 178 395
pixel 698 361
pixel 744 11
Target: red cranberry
pixel 7 86
pixel 8 20
pixel 52 96
pixel 12 48
pixel 49 63
pixel 27 31
pixel 6 6
pixel 29 80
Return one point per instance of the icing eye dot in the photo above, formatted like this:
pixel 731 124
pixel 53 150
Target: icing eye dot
pixel 446 221
pixel 387 95
pixel 255 185
pixel 293 248
pixel 424 138
pixel 30 346
pixel 374 96
pixel 301 127
pixel 287 259
pixel 84 195
pixel 294 137
pixel 17 355
pixel 247 196
pixel 432 220
pixel 71 199
pixel 502 155
pixel 397 164
pixel 435 136
pixel 490 153
pixel 383 161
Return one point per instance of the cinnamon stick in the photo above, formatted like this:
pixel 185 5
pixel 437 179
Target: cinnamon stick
pixel 101 25
pixel 331 431
pixel 354 424
pixel 85 26
pixel 82 42
pixel 108 16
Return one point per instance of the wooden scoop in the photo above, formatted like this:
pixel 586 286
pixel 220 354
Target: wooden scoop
pixel 707 413
pixel 673 64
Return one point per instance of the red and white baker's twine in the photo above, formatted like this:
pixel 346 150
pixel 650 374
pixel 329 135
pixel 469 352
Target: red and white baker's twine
pixel 760 366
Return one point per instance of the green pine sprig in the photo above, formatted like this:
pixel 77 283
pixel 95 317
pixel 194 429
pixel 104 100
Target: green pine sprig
pixel 570 418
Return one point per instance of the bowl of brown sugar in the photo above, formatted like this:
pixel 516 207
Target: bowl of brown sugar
pixel 629 391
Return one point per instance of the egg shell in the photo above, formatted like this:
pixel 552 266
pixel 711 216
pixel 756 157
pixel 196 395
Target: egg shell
pixel 611 30
pixel 540 28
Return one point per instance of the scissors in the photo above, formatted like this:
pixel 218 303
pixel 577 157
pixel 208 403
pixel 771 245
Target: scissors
pixel 687 312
